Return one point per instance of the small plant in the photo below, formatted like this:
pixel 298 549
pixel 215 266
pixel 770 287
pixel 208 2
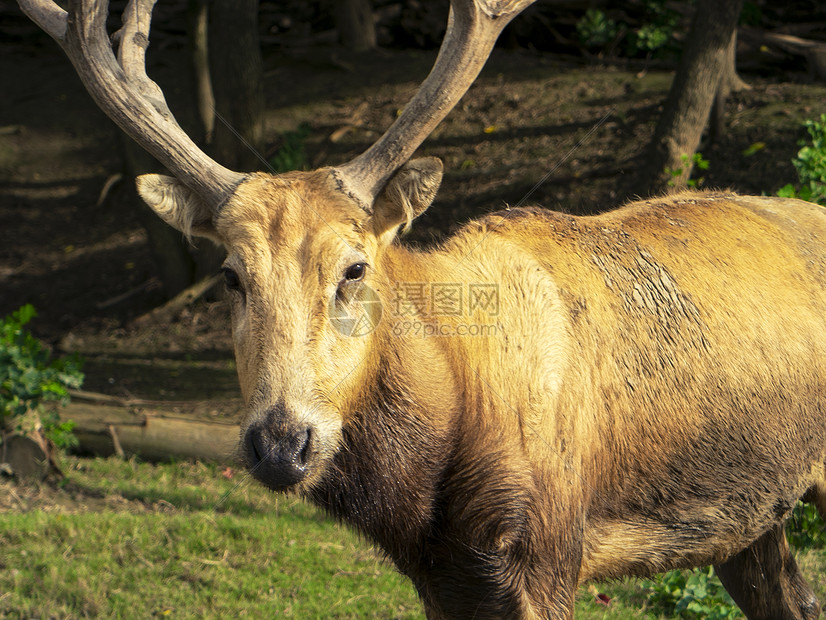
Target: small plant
pixel 658 30
pixel 695 162
pixel 805 529
pixel 811 165
pixel 650 37
pixel 29 379
pixel 699 593
pixel 595 29
pixel 292 155
pixel 692 594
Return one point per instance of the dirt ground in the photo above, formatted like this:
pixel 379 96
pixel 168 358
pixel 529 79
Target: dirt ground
pixel 535 128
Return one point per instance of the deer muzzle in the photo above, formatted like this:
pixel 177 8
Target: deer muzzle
pixel 277 455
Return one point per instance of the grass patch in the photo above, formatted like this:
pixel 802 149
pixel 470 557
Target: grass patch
pixel 143 565
pixel 182 540
pixel 130 539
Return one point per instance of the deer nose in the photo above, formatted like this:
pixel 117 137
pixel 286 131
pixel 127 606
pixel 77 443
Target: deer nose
pixel 278 460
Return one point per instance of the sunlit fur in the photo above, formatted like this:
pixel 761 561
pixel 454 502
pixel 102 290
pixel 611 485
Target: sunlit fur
pixel 654 394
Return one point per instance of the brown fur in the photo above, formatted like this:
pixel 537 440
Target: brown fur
pixel 649 393
pixel 653 396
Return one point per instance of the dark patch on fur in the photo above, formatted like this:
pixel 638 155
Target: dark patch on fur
pixel 341 185
pixel 384 478
pixel 457 524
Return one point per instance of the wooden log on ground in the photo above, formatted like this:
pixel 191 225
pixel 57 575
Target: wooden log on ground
pixel 25 451
pixel 812 50
pixel 167 311
pixel 24 458
pixel 105 430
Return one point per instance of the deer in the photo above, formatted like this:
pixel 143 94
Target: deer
pixel 650 393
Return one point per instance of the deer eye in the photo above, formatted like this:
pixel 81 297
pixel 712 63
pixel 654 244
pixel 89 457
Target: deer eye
pixel 231 279
pixel 355 272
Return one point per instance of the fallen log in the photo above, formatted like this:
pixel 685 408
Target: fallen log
pixel 25 451
pixel 179 302
pixel 104 430
pixel 813 51
pixel 24 458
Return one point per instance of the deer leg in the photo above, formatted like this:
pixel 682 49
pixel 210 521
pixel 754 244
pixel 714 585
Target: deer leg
pixel 765 582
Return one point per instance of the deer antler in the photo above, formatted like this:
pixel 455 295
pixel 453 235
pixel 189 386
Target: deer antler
pixel 124 92
pixel 473 27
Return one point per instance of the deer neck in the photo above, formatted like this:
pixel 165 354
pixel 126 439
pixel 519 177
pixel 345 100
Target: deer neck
pixel 398 442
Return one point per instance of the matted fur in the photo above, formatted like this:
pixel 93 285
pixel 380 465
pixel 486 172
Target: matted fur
pixel 653 395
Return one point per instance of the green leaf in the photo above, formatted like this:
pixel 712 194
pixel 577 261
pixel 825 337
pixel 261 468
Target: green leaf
pixel 754 148
pixel 787 191
pixel 810 162
pixel 28 375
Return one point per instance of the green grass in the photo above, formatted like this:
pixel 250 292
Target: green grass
pixel 165 541
pixel 128 565
pixel 133 540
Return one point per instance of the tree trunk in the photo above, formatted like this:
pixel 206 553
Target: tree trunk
pixel 730 82
pixel 687 108
pixel 175 265
pixel 198 17
pixel 237 75
pixel 354 22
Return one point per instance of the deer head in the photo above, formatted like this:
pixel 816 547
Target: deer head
pixel 297 244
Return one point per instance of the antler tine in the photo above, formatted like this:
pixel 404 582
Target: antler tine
pixel 123 91
pixel 133 40
pixel 473 27
pixel 46 14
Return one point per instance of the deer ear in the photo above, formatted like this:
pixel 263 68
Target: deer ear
pixel 406 196
pixel 177 205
